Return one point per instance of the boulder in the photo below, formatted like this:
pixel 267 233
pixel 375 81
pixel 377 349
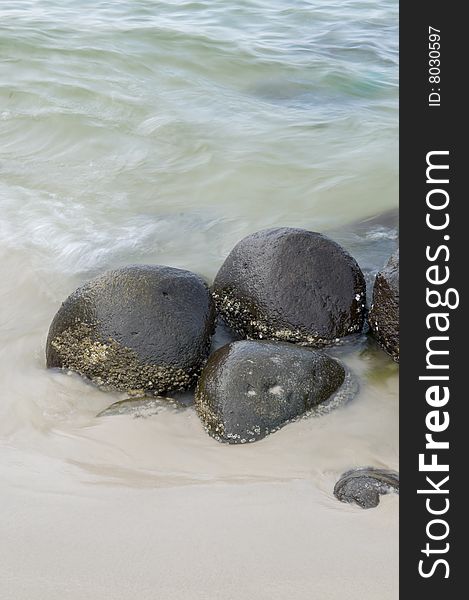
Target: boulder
pixel 384 313
pixel 249 389
pixel 363 486
pixel 291 285
pixel 142 327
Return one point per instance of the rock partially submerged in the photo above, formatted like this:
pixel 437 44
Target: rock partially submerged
pixel 364 486
pixel 249 389
pixel 139 407
pixel 142 327
pixel 292 285
pixel 384 313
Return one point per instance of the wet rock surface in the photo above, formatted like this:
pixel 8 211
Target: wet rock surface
pixel 249 389
pixel 365 485
pixel 384 313
pixel 142 407
pixel 144 327
pixel 291 285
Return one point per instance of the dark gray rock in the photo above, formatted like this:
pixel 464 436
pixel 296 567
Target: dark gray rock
pixel 249 389
pixel 291 285
pixel 141 327
pixel 384 313
pixel 365 485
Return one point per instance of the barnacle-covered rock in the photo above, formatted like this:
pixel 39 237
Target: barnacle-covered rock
pixel 249 389
pixel 292 285
pixel 384 313
pixel 142 327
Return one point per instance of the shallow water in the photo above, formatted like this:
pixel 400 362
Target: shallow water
pixel 163 132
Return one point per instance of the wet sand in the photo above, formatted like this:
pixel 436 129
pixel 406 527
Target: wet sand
pixel 122 507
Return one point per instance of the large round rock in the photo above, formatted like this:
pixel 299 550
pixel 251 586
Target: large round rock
pixel 292 285
pixel 384 313
pixel 249 389
pixel 142 327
